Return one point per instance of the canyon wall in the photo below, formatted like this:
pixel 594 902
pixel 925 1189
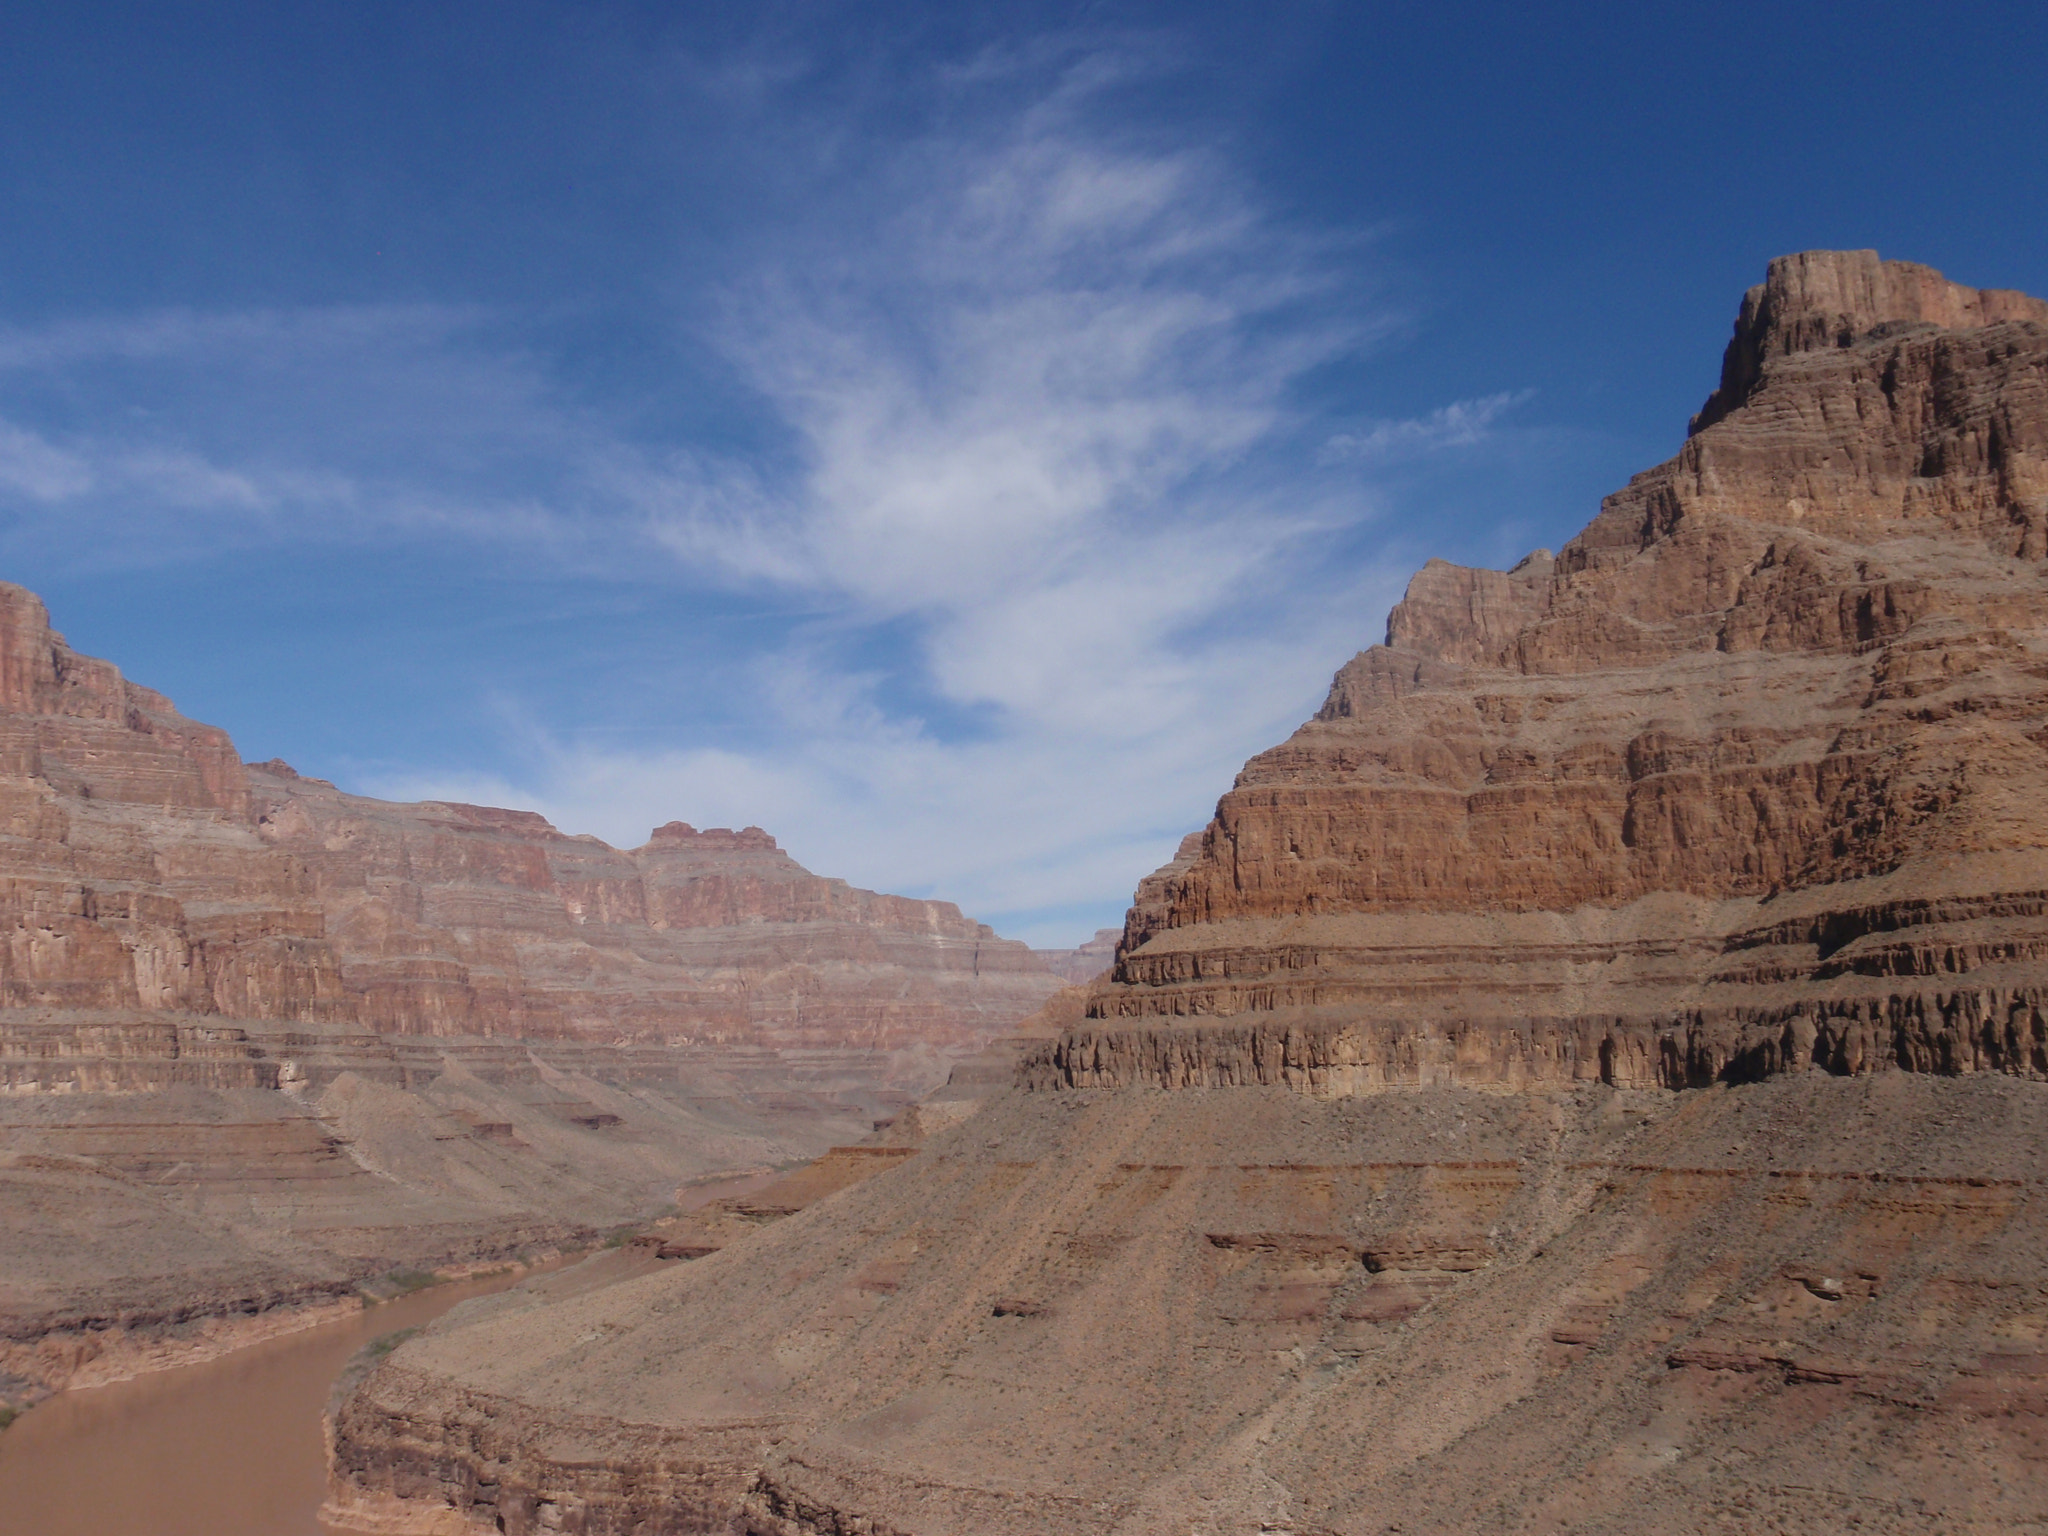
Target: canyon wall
pixel 261 1040
pixel 1591 1077
pixel 148 870
pixel 1751 777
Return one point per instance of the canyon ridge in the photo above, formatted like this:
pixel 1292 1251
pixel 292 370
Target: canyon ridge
pixel 1593 1076
pixel 263 1043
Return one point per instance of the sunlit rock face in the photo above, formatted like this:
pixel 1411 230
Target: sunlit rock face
pixel 1750 777
pixel 146 868
pixel 260 1039
pixel 1590 1078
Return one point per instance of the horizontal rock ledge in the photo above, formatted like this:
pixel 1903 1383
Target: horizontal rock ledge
pixel 1950 1033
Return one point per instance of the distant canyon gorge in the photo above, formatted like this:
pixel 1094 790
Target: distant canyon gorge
pixel 1592 1076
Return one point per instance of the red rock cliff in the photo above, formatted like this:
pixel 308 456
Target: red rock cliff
pixel 144 869
pixel 1751 776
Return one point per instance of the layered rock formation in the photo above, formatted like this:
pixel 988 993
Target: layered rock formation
pixel 1085 963
pixel 260 1039
pixel 1751 777
pixel 1609 1076
pixel 148 870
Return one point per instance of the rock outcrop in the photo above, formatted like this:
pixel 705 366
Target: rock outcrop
pixel 1751 777
pixel 1605 1075
pixel 394 1034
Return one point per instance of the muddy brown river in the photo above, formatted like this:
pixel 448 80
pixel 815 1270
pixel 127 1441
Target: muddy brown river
pixel 231 1447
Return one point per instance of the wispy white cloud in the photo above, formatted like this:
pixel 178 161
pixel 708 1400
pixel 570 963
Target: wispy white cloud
pixel 1060 532
pixel 179 434
pixel 182 336
pixel 1043 416
pixel 52 475
pixel 1027 819
pixel 34 467
pixel 1028 402
pixel 1460 424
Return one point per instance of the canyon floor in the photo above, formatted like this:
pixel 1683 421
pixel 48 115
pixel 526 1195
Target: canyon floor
pixel 1806 1304
pixel 145 1228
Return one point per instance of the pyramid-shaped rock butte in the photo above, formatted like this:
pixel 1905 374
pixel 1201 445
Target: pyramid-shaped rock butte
pixel 1751 777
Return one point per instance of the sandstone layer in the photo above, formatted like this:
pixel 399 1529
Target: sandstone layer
pixel 1751 777
pixel 261 1040
pixel 1592 1077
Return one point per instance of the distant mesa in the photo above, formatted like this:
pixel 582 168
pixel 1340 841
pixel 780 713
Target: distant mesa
pixel 713 838
pixel 1088 962
pixel 264 895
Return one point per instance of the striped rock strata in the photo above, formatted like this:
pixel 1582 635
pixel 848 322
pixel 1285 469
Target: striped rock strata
pixel 144 867
pixel 1751 777
pixel 1610 1059
pixel 260 1039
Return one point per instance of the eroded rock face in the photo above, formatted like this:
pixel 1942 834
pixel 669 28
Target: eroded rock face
pixel 393 1034
pixel 1751 777
pixel 1742 793
pixel 147 869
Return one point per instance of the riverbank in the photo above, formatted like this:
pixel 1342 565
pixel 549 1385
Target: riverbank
pixel 146 1230
pixel 43 1357
pixel 132 1333
pixel 226 1446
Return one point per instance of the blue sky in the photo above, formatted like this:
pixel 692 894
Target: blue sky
pixel 953 438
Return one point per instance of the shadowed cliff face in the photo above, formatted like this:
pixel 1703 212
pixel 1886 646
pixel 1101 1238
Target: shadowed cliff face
pixel 1741 793
pixel 1753 775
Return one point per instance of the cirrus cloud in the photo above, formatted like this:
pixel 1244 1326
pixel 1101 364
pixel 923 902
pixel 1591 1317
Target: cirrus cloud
pixel 1042 542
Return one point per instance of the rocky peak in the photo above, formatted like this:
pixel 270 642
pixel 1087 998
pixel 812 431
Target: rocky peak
pixel 77 723
pixel 41 675
pixel 680 834
pixel 1815 300
pixel 1785 687
pixel 1861 401
pixel 1458 613
pixel 27 668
